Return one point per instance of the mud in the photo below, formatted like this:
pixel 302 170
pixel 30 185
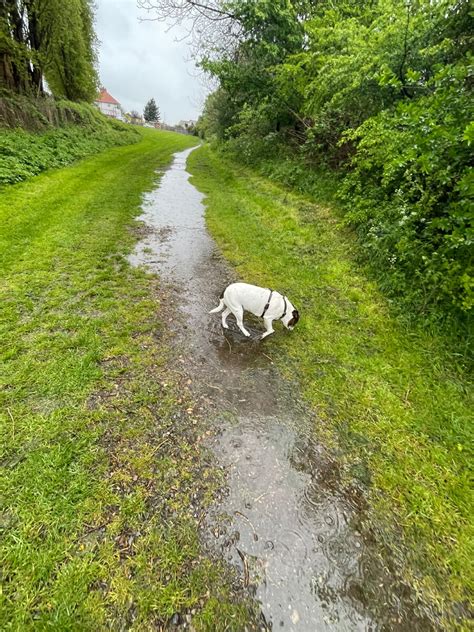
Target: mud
pixel 286 521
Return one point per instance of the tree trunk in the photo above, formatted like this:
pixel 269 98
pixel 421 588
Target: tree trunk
pixel 17 73
pixel 34 38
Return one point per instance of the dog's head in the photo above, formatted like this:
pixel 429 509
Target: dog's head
pixel 291 318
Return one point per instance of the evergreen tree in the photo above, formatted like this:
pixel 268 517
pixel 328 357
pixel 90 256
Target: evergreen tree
pixel 151 113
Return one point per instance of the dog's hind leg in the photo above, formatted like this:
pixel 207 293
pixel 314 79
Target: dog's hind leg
pixel 268 326
pixel 239 314
pixel 219 308
pixel 225 313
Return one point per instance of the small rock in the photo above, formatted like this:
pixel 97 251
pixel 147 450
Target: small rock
pixel 175 619
pixel 295 617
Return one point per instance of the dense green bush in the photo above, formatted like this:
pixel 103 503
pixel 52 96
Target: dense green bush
pixel 72 131
pixel 410 193
pixel 380 94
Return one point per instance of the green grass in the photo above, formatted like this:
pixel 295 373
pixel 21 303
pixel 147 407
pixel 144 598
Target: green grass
pixel 395 398
pixel 103 471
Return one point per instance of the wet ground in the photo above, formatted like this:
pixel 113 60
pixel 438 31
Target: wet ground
pixel 287 524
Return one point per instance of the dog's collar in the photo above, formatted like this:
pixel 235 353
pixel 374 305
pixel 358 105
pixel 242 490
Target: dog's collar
pixel 284 311
pixel 267 305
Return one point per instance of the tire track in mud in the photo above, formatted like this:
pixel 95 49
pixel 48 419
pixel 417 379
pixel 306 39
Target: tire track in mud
pixel 285 520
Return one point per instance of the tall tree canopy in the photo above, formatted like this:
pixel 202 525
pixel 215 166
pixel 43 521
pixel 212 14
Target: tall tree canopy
pixel 48 39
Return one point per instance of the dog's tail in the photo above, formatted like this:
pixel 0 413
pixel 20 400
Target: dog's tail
pixel 219 308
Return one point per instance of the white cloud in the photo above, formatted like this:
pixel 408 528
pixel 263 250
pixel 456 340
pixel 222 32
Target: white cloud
pixel 139 60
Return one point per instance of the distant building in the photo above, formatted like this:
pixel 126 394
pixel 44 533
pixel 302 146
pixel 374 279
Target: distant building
pixel 134 118
pixel 186 127
pixel 108 105
pixel 187 124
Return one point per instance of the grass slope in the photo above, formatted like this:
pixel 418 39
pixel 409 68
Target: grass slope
pixel 103 471
pixel 400 400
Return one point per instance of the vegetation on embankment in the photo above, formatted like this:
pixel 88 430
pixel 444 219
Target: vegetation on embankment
pixel 394 394
pixel 40 134
pixel 103 474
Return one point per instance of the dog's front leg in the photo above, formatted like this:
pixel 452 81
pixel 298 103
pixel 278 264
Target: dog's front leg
pixel 268 326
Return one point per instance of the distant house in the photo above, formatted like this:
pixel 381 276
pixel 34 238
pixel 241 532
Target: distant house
pixel 108 105
pixel 187 124
pixel 134 118
pixel 186 127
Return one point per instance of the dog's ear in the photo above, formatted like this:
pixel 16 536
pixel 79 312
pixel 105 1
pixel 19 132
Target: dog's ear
pixel 294 319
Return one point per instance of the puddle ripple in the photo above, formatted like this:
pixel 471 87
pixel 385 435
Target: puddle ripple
pixel 284 522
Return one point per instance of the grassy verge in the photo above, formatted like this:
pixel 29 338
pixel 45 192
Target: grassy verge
pixel 395 396
pixel 104 477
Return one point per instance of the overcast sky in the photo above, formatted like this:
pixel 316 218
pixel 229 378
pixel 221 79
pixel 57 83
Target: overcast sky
pixel 140 60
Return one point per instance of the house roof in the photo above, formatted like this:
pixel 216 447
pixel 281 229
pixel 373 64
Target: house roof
pixel 105 97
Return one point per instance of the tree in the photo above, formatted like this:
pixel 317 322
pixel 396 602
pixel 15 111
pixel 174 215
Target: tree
pixel 210 24
pixel 151 113
pixel 19 59
pixel 240 44
pixel 48 38
pixel 68 42
pixel 218 114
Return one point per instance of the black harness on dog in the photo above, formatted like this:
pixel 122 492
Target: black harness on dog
pixel 268 305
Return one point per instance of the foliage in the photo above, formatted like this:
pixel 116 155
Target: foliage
pixel 68 48
pixel 84 131
pixel 412 191
pixel 51 39
pixel 270 32
pixel 381 92
pixel 217 117
pixel 151 112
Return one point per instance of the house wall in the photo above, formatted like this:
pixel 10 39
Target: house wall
pixel 109 109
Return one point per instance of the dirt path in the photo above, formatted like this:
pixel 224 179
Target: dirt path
pixel 285 521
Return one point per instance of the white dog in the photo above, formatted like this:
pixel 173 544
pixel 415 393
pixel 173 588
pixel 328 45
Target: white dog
pixel 260 301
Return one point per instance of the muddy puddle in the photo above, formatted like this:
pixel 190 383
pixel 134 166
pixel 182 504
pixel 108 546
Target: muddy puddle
pixel 285 522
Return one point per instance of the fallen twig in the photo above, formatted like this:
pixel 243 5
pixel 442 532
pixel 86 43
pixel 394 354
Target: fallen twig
pixel 246 567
